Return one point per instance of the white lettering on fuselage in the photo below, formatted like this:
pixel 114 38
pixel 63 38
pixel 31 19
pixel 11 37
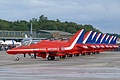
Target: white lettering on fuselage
pixel 52 49
pixel 49 49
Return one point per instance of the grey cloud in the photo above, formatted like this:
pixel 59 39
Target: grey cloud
pixel 103 14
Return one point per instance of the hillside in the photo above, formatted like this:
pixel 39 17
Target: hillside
pixel 44 24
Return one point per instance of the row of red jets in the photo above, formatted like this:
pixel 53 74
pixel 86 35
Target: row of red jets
pixel 80 44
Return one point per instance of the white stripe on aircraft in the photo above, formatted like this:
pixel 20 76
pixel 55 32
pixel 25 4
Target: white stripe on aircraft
pixel 102 38
pixel 87 37
pixel 72 45
pixel 98 36
pixel 110 39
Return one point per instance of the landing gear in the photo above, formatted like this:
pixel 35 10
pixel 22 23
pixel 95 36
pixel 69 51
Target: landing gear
pixel 98 52
pixel 51 58
pixel 93 52
pixel 69 55
pixel 24 55
pixel 62 57
pixel 33 56
pixel 76 55
pixel 88 53
pixel 16 58
pixel 83 54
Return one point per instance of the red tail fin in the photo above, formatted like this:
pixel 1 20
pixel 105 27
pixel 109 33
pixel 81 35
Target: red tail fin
pixel 74 39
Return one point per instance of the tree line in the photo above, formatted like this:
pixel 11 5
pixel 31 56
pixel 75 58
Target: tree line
pixel 44 24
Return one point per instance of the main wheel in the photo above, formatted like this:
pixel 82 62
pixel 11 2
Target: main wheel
pixel 51 58
pixel 88 53
pixel 93 52
pixel 76 54
pixel 98 52
pixel 33 56
pixel 83 54
pixel 69 55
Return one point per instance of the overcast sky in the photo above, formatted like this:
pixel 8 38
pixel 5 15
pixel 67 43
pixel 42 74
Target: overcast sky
pixel 102 14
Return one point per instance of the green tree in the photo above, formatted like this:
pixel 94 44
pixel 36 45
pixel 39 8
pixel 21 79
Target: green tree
pixel 42 18
pixel 44 23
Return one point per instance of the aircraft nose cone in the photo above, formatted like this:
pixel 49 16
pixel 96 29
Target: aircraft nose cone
pixel 20 51
pixel 10 51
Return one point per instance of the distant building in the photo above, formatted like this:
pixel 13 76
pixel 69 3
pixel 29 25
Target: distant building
pixel 4 34
pixel 18 34
pixel 56 34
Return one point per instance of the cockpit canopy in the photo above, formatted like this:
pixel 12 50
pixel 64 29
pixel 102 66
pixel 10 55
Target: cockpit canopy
pixel 29 42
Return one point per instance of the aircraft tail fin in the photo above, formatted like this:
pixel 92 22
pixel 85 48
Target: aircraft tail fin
pixel 104 36
pixel 94 37
pixel 111 39
pixel 98 39
pixel 75 39
pixel 114 40
pixel 107 39
pixel 13 42
pixel 80 40
pixel 26 36
pixel 88 37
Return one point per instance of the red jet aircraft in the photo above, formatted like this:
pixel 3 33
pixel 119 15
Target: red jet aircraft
pixel 48 49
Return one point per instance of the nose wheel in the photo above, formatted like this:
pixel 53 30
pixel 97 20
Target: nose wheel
pixel 33 56
pixel 16 58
